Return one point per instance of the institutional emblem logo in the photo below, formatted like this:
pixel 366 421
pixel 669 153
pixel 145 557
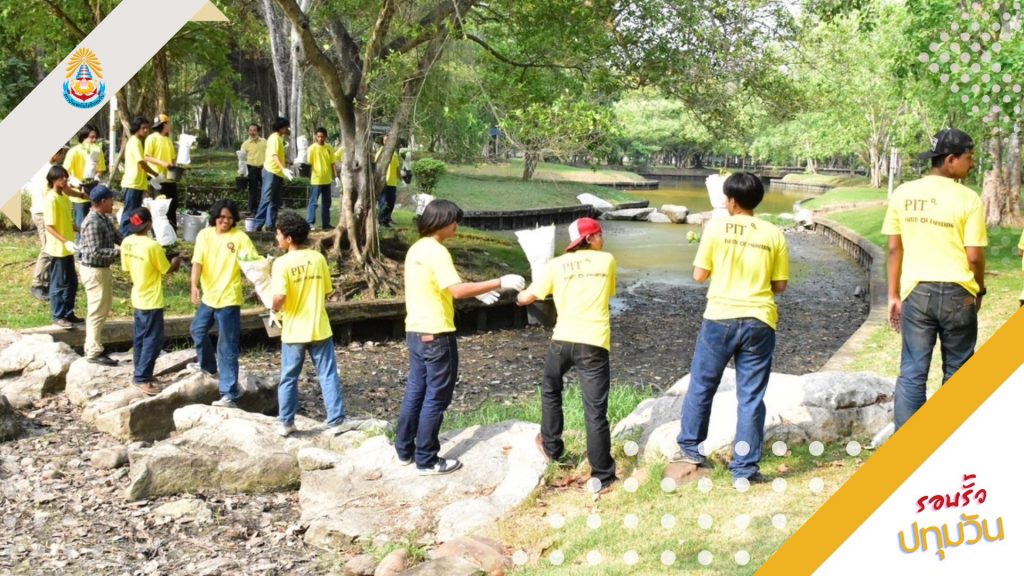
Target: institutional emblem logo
pixel 83 85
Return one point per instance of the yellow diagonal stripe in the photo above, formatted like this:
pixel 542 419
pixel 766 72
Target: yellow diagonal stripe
pixel 12 209
pixel 841 515
pixel 209 13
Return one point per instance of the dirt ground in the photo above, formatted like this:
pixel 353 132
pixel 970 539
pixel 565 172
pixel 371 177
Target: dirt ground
pixel 62 515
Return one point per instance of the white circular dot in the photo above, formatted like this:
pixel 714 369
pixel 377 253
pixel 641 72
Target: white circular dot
pixel 668 485
pixel 853 448
pixel 955 47
pixel 943 36
pixel 996 47
pixel 705 558
pixel 816 485
pixel 975 47
pixel 975 26
pixel 668 557
pixel 996 88
pixel 779 447
pixel 954 67
pixel 965 57
pixel 779 521
pixel 985 78
pixel 556 521
pixel 631 521
pixel 594 485
pixel 985 36
pixel 742 558
pixel 1016 88
pixel 594 521
pixel 975 109
pixel 594 558
pixel 965 98
pixel 923 57
pixel 702 449
pixel 780 485
pixel 985 99
pixel 742 448
pixel 1017 109
pixel 1006 77
pixel 557 558
pixel 705 484
pixel 520 558
pixel 705 521
pixel 631 448
pixel 817 448
pixel 986 57
pixel 631 558
pixel 944 78
pixel 1006 99
pixel 934 68
pixel 668 521
pixel 741 484
pixel 965 78
pixel 954 26
pixel 954 88
pixel 743 521
pixel 631 484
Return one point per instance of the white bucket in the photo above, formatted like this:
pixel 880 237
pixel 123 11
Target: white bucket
pixel 251 225
pixel 192 225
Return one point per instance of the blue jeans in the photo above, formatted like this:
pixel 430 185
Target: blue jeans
pixel 132 200
pixel 433 370
pixel 270 200
pixel 229 331
pixel 63 287
pixel 941 309
pixel 321 193
pixel 322 354
pixel 80 211
pixel 750 343
pixel 147 340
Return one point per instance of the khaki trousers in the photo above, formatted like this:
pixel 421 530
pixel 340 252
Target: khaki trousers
pixel 98 284
pixel 41 277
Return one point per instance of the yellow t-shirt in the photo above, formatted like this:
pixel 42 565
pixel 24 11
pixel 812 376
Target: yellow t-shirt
pixel 583 283
pixel 744 255
pixel 321 159
pixel 275 145
pixel 75 161
pixel 1020 246
pixel 145 261
pixel 255 151
pixel 936 219
pixel 393 167
pixel 221 277
pixel 429 271
pixel 303 278
pixel 339 152
pixel 57 213
pixel 160 147
pixel 134 177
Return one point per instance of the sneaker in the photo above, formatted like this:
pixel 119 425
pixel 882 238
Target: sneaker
pixel 102 360
pixel 346 425
pixel 148 388
pixel 40 294
pixel 225 402
pixel 75 319
pixel 680 456
pixel 758 478
pixel 441 466
pixel 63 324
pixel 404 461
pixel 285 430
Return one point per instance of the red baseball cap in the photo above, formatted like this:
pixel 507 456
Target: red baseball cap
pixel 579 230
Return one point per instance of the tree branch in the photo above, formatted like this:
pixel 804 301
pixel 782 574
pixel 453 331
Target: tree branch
pixel 511 62
pixel 430 25
pixel 72 27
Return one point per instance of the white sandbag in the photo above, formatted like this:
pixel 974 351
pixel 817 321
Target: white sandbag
pixel 302 154
pixel 257 270
pixel 596 202
pixel 163 232
pixel 539 246
pixel 243 167
pixel 92 162
pixel 421 202
pixel 185 143
pixel 715 184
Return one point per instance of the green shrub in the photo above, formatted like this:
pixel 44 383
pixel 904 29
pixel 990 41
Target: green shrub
pixel 427 172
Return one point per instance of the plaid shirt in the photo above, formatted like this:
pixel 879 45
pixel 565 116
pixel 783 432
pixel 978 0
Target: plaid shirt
pixel 98 240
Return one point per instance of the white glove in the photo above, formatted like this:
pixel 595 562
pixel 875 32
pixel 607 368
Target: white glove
pixel 289 175
pixel 74 182
pixel 156 182
pixel 71 247
pixel 273 320
pixel 513 282
pixel 489 297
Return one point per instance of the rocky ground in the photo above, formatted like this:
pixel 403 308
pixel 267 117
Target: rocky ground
pixel 65 513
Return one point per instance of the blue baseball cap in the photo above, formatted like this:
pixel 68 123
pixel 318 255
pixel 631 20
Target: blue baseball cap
pixel 100 193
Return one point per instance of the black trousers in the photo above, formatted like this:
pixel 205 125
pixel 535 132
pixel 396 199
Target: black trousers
pixel 255 186
pixel 593 369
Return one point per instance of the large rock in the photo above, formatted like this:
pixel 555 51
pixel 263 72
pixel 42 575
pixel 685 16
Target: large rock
pixel 658 218
pixel 87 381
pixel 628 214
pixel 486 554
pixel 824 406
pixel 698 218
pixel 128 414
pixel 677 214
pixel 373 494
pixel 447 566
pixel 10 421
pixel 598 203
pixel 33 366
pixel 230 450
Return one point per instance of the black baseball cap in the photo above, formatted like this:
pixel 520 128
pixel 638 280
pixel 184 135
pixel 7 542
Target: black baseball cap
pixel 138 219
pixel 946 142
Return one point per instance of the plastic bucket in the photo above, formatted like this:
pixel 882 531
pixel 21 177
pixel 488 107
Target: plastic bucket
pixel 175 173
pixel 193 223
pixel 305 170
pixel 251 225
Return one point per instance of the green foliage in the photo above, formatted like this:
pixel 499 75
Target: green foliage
pixel 561 129
pixel 427 172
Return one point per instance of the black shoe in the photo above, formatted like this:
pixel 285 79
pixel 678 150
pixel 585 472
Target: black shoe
pixel 102 360
pixel 75 319
pixel 757 478
pixel 40 294
pixel 441 466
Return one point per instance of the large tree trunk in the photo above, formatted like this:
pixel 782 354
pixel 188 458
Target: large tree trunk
pixel 1001 188
pixel 161 86
pixel 531 159
pixel 279 55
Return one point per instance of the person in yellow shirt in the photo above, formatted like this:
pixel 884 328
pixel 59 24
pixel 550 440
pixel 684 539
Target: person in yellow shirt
pixel 217 291
pixel 301 282
pixel 37 188
pixel 85 165
pixel 60 248
pixel 583 282
pixel 936 268
pixel 747 261
pixel 275 172
pixel 136 170
pixel 321 158
pixel 160 154
pixel 431 285
pixel 386 203
pixel 255 148
pixel 1020 252
pixel 146 263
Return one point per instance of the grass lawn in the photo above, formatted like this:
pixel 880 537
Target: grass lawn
pixel 487 193
pixel 547 171
pixel 827 179
pixel 846 195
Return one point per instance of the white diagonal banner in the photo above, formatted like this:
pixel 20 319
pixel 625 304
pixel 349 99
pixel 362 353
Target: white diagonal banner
pixel 87 78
